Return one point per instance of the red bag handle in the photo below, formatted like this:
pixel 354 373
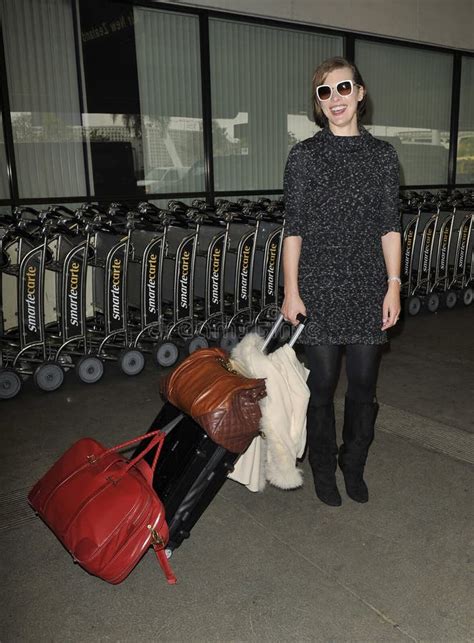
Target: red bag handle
pixel 156 442
pixel 158 439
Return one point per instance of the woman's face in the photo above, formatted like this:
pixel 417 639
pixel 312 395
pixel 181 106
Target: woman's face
pixel 341 111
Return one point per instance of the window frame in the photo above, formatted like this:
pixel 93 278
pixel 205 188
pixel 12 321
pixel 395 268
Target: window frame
pixel 204 15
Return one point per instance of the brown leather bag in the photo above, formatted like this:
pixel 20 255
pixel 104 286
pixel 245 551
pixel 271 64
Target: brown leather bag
pixel 218 398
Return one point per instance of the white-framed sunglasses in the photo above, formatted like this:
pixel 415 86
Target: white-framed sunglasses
pixel 344 88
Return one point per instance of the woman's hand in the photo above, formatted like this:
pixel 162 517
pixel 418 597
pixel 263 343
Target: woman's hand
pixel 291 307
pixel 391 306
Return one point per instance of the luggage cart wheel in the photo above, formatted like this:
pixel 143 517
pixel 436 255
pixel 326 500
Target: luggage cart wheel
pixel 467 296
pixel 166 354
pixel 413 305
pixel 89 369
pixel 48 376
pixel 432 303
pixel 193 344
pixel 10 384
pixel 451 299
pixel 131 361
pixel 229 340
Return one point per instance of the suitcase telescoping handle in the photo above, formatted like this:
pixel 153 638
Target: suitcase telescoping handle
pixel 299 329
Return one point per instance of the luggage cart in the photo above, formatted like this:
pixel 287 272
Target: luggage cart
pixel 24 351
pixel 146 305
pixel 421 294
pixel 461 281
pixel 436 251
pixel 211 264
pixel 239 271
pixel 144 285
pixel 10 380
pixel 178 273
pixel 441 281
pixel 108 336
pixel 269 246
pixel 223 271
pixel 73 254
pixel 229 289
pixel 125 271
pixel 162 271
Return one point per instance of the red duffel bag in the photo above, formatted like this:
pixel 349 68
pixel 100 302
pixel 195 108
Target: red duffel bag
pixel 103 508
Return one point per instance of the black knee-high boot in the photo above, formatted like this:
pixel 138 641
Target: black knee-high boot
pixel 322 452
pixel 357 435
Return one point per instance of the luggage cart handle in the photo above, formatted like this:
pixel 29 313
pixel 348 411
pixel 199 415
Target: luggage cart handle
pixel 300 317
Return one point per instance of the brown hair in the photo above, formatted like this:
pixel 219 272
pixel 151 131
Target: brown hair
pixel 319 77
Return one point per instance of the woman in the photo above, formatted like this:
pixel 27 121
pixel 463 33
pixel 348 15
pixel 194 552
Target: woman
pixel 341 261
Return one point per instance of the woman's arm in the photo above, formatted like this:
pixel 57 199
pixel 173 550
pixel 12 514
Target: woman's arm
pixel 292 303
pixel 295 190
pixel 392 252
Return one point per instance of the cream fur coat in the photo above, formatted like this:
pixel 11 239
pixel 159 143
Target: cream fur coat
pixel 273 456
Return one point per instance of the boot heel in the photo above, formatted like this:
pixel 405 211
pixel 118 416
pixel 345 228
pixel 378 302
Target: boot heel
pixel 322 453
pixel 329 494
pixel 357 435
pixel 356 488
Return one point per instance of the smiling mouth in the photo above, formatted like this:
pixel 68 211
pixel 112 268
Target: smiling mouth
pixel 338 110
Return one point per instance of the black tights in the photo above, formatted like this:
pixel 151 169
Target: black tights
pixel 362 365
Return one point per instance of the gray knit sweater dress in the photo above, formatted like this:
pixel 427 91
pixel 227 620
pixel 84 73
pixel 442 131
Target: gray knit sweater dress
pixel 341 197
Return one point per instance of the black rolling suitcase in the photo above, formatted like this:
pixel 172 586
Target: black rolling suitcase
pixel 190 471
pixel 191 468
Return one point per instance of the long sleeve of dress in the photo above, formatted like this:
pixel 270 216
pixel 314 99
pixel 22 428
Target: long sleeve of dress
pixel 295 187
pixel 390 215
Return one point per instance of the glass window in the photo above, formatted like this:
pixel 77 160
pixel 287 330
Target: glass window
pixel 44 98
pixel 409 105
pixel 261 99
pixel 112 120
pixel 465 158
pixel 143 87
pixel 169 84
